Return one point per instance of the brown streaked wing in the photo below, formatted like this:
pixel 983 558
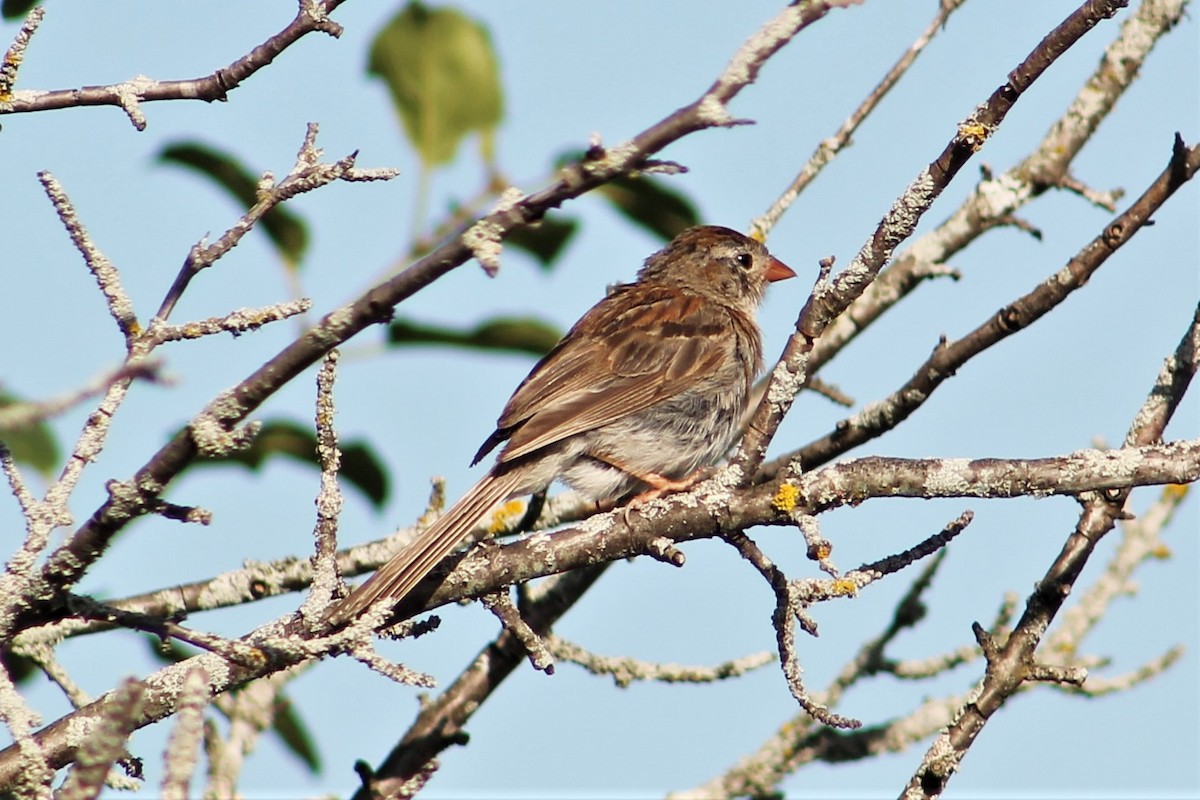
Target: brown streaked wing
pixel 616 361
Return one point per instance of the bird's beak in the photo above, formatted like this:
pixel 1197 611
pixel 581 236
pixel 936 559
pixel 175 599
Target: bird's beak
pixel 778 271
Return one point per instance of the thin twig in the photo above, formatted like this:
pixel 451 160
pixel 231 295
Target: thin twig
pixel 501 604
pixel 948 357
pixel 307 173
pixel 34 771
pixel 235 322
pixel 329 499
pixel 1010 664
pixel 897 225
pixel 180 756
pixel 20 415
pixel 230 408
pixel 625 671
pixel 15 54
pixel 829 148
pixel 106 275
pixel 1000 197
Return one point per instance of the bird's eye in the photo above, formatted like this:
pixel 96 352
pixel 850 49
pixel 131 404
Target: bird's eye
pixel 744 260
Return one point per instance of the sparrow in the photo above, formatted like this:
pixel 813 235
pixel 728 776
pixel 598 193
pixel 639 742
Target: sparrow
pixel 645 390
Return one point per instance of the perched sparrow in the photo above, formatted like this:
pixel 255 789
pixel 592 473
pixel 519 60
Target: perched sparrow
pixel 647 387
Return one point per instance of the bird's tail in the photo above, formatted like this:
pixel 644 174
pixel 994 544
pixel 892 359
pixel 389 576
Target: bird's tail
pixel 396 578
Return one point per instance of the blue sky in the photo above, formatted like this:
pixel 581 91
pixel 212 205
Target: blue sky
pixel 572 69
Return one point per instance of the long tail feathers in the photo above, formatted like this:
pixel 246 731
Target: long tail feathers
pixel 396 578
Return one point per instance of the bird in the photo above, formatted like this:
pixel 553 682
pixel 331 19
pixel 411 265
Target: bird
pixel 642 394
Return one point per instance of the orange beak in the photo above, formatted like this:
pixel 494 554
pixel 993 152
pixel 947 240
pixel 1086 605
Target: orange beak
pixel 778 271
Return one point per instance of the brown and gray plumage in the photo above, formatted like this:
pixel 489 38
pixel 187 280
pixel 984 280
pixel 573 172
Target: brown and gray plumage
pixel 646 388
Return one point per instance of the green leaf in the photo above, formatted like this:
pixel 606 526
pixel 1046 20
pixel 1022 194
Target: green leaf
pixel 33 445
pixel 168 651
pixel 286 230
pixel 646 201
pixel 294 733
pixel 441 70
pixel 361 467
pixel 519 334
pixel 11 9
pixel 649 203
pixel 546 239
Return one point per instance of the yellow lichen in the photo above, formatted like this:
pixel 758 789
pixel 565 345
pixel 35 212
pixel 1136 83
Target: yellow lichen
pixel 1066 648
pixel 1175 491
pixel 1162 552
pixel 973 133
pixel 786 497
pixel 844 587
pixel 506 516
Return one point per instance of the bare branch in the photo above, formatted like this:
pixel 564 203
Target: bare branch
pixel 714 510
pixel 801 740
pixel 119 304
pixel 329 499
pixel 1009 665
pixel 948 357
pixel 1098 687
pixel 44 656
pixel 307 174
pixel 829 148
pixel 1140 542
pixel 230 408
pixel 104 744
pixel 186 734
pixel 235 322
pixel 16 54
pixel 16 483
pixel 825 305
pixel 312 16
pixel 251 710
pixel 787 607
pixel 501 604
pixel 234 650
pixel 391 670
pixel 625 671
pixel 33 769
pixel 995 200
pixel 441 722
pixel 19 415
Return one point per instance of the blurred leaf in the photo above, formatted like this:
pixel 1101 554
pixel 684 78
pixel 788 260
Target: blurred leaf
pixel 646 201
pixel 34 444
pixel 294 733
pixel 20 668
pixel 361 468
pixel 11 9
pixel 286 230
pixel 441 70
pixel 169 651
pixel 546 239
pixel 520 334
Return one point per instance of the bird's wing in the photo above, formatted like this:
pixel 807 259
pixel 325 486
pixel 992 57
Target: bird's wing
pixel 619 358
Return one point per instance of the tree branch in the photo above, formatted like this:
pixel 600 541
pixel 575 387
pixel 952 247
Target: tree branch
pixel 313 15
pixel 68 564
pixel 828 302
pixel 1009 666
